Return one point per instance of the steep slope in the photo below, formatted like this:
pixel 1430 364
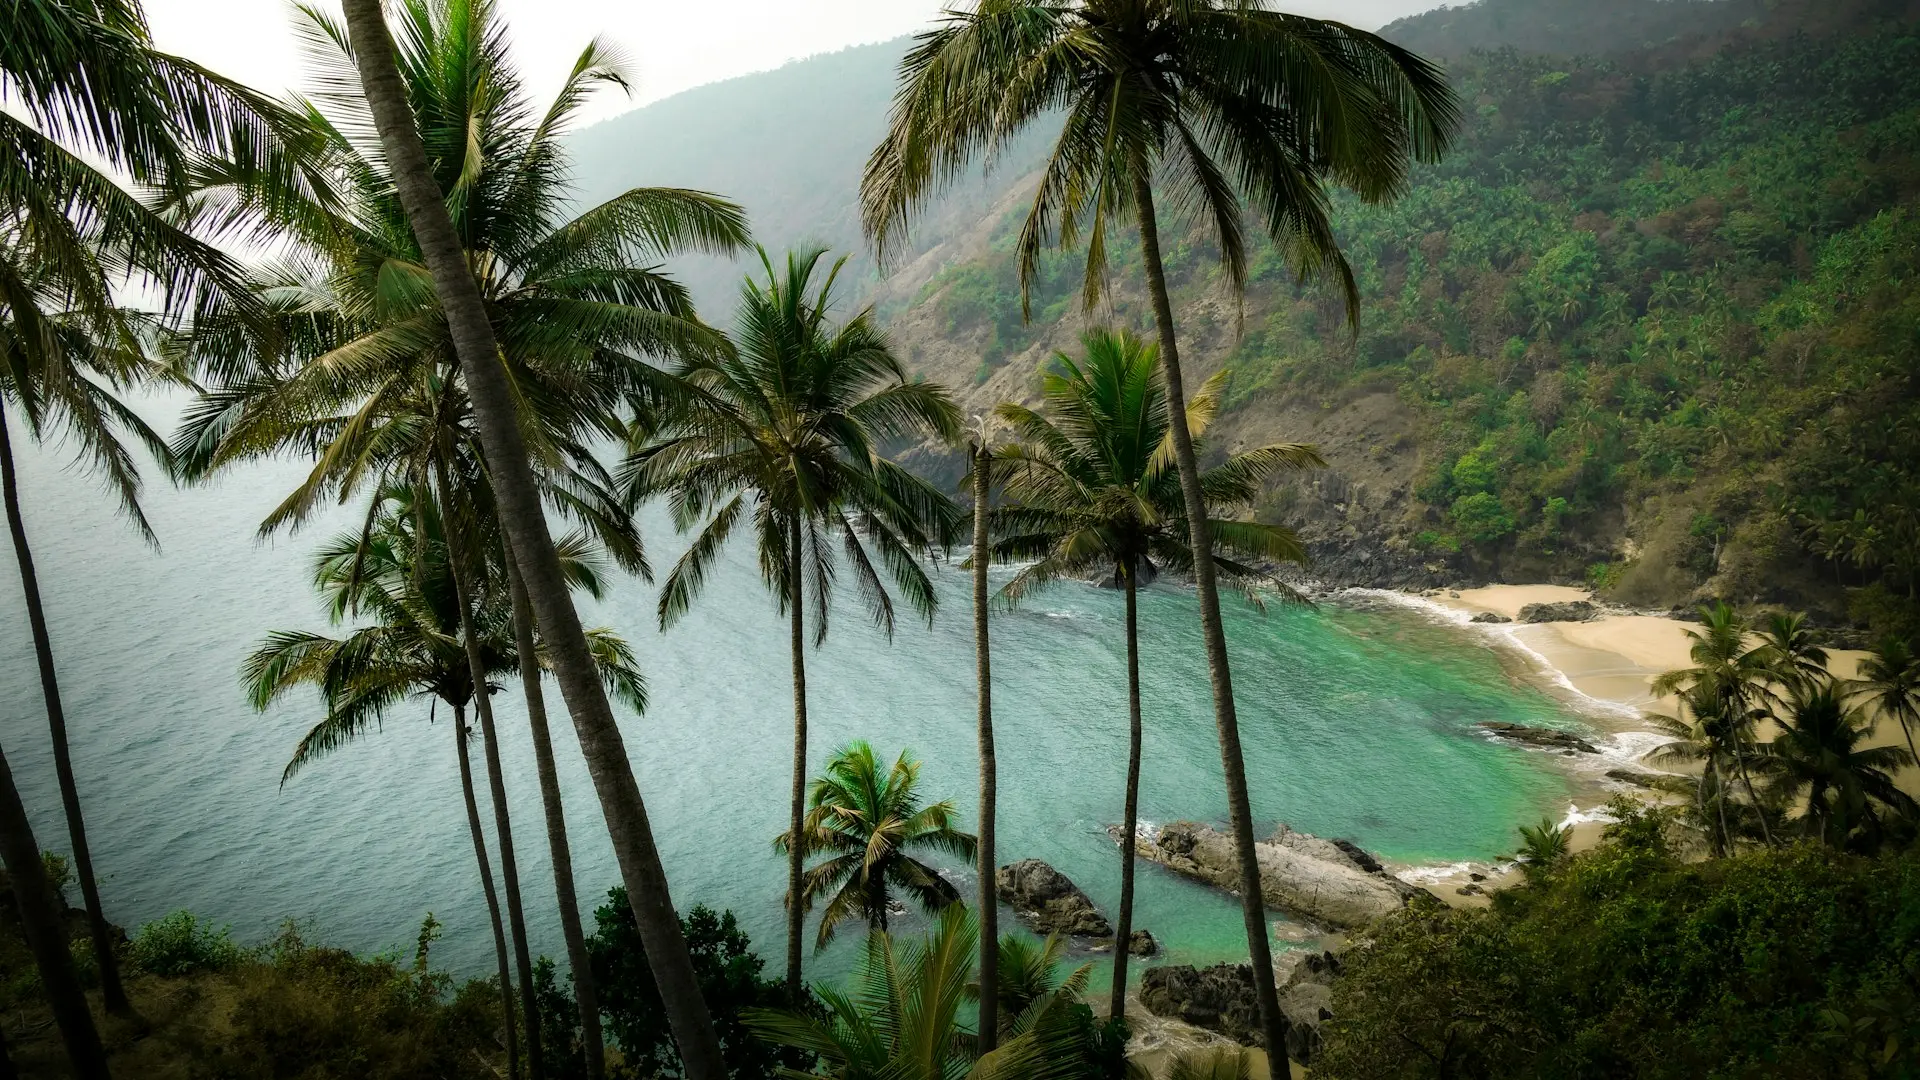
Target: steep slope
pixel 1648 325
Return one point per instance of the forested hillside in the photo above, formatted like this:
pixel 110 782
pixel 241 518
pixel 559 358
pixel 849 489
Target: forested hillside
pixel 1652 324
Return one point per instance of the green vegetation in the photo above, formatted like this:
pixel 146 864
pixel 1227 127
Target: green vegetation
pixel 1627 961
pixel 181 945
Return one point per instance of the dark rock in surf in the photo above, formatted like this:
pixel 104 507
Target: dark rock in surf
pixel 1142 943
pixel 1490 617
pixel 1540 738
pixel 1049 900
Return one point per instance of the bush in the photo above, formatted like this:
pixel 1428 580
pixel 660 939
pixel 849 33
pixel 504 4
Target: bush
pixel 1481 518
pixel 180 944
pixel 1628 962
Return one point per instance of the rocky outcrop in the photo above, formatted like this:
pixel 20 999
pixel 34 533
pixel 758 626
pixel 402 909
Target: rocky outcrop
pixel 1049 900
pixel 1541 738
pixel 1219 998
pixel 1307 1000
pixel 1141 943
pixel 1312 878
pixel 1570 611
pixel 1490 617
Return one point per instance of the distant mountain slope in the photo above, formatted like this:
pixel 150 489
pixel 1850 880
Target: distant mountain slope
pixel 1655 29
pixel 788 144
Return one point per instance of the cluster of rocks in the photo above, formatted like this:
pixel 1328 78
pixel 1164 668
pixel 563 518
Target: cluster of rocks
pixel 1489 617
pixel 1052 904
pixel 1333 883
pixel 1569 611
pixel 1541 738
pixel 1221 999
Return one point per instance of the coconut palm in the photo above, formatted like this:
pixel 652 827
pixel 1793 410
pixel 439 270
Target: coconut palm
pixel 788 428
pixel 1819 754
pixel 1093 491
pixel 370 382
pixel 871 822
pixel 64 360
pixel 1730 679
pixel 399 574
pixel 1700 735
pixel 1792 649
pixel 1222 100
pixel 521 516
pixel 1542 847
pixel 902 1022
pixel 980 475
pixel 1889 680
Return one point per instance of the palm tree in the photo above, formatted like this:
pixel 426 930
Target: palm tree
pixel 1792 649
pixel 399 573
pixel 1094 491
pixel 1700 735
pixel 371 378
pixel 980 473
pixel 63 360
pixel 1818 753
pixel 789 425
pixel 1542 847
pixel 1224 99
pixel 872 822
pixel 46 935
pixel 1889 680
pixel 1030 981
pixel 1211 1063
pixel 1727 686
pixel 902 1022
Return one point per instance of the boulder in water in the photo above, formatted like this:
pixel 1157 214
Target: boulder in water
pixel 1142 943
pixel 1049 900
pixel 1541 738
pixel 1310 877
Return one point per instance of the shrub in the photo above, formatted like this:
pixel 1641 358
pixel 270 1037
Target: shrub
pixel 1481 518
pixel 180 944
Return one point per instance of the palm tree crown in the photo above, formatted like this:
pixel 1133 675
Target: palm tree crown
pixel 1092 482
pixel 870 820
pixel 1220 98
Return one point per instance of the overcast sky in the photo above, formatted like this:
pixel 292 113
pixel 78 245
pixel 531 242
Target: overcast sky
pixel 674 45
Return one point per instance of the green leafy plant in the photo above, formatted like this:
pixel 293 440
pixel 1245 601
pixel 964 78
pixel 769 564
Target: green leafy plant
pixel 180 944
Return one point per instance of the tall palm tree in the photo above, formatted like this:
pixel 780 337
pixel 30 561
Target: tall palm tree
pixel 871 821
pixel 1819 754
pixel 902 1021
pixel 46 934
pixel 370 381
pixel 1792 649
pixel 789 427
pixel 399 573
pixel 1889 680
pixel 63 361
pixel 980 473
pixel 1728 685
pixel 1701 734
pixel 1224 100
pixel 1093 491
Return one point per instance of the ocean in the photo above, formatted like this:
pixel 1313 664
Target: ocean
pixel 1357 717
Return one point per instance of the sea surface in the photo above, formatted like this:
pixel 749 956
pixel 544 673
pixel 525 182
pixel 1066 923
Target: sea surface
pixel 1357 717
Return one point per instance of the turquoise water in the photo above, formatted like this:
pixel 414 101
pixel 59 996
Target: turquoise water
pixel 1356 723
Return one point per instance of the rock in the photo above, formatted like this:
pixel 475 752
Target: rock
pixel 1490 617
pixel 1306 1006
pixel 1315 967
pixel 1571 611
pixel 1540 738
pixel 1141 943
pixel 1361 856
pixel 1219 998
pixel 1476 876
pixel 1048 900
pixel 1303 874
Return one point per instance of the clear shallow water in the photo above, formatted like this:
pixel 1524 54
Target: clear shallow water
pixel 1357 722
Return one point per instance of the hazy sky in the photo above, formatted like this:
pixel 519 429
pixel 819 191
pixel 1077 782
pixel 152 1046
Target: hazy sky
pixel 673 44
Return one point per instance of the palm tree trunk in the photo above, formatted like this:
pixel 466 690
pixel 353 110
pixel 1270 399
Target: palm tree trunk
pixel 796 851
pixel 586 996
pixel 1720 804
pixel 1746 779
pixel 521 516
pixel 486 887
pixel 983 677
pixel 112 994
pixel 1123 926
pixel 1253 907
pixel 496 781
pixel 46 938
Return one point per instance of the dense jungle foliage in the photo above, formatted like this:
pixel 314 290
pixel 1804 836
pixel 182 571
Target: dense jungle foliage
pixel 1627 961
pixel 1647 296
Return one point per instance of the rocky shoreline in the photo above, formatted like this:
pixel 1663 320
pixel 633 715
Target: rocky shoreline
pixel 1330 883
